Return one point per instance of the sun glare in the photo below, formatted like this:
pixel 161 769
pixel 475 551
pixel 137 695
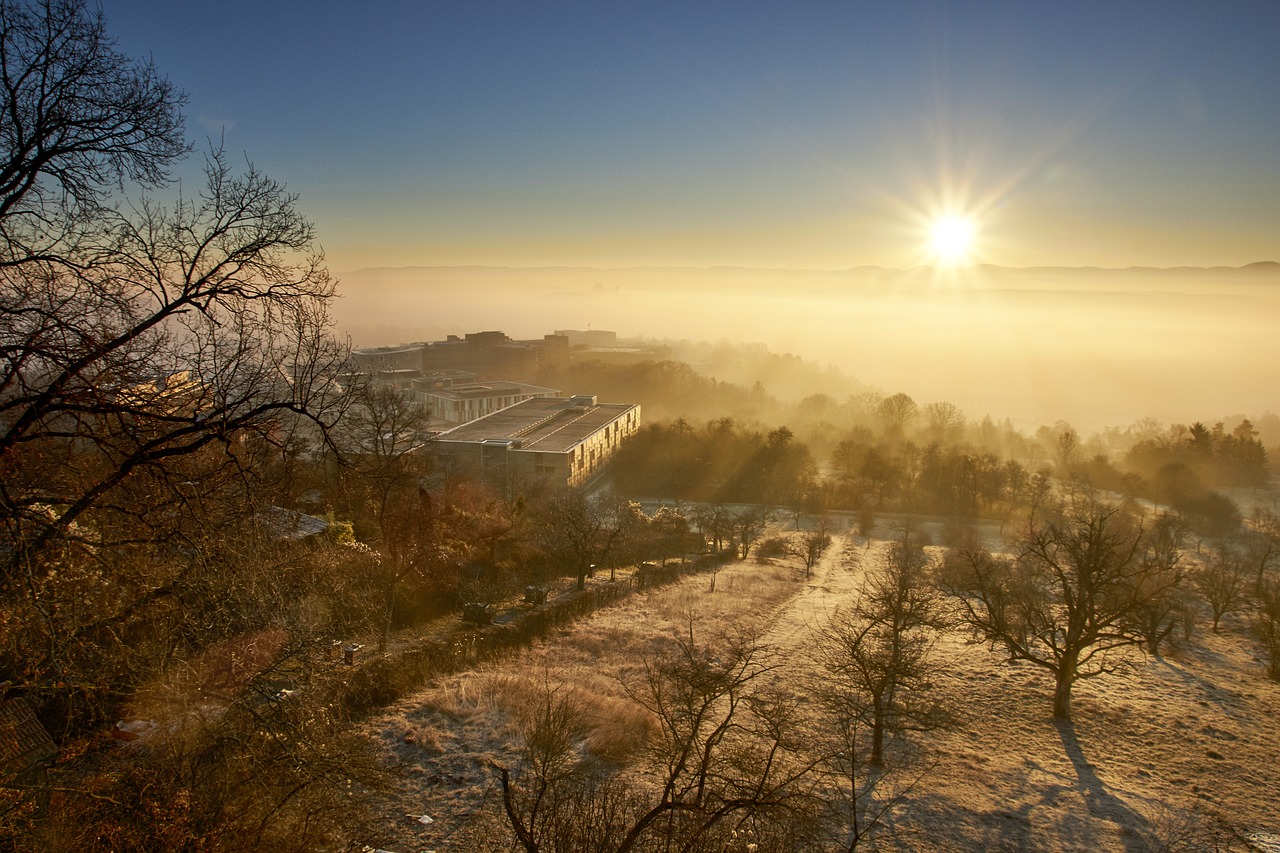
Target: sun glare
pixel 950 238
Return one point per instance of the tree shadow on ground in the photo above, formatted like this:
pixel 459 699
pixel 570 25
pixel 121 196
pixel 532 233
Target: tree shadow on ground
pixel 1101 803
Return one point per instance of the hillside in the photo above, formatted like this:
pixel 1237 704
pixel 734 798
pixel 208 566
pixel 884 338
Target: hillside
pixel 1174 753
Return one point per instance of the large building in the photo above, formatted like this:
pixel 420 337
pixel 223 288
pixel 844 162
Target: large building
pixel 562 440
pixel 493 355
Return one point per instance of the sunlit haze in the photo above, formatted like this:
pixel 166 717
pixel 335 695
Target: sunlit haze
pixel 607 140
pixel 591 425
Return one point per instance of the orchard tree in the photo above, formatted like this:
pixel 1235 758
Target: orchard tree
pixel 1161 602
pixel 715 522
pixel 576 531
pixel 1223 581
pixel 1262 544
pixel 878 654
pixel 878 651
pixel 1267 623
pixel 810 546
pixel 750 523
pixel 1066 603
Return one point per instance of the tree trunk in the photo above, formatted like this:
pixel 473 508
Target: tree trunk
pixel 1062 693
pixel 877 738
pixel 390 606
pixel 582 580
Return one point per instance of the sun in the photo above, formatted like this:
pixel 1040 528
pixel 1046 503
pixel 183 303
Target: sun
pixel 950 239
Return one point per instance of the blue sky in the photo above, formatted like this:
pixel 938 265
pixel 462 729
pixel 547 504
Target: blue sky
pixel 812 135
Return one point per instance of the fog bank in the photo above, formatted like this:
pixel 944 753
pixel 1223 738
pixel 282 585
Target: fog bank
pixel 1094 347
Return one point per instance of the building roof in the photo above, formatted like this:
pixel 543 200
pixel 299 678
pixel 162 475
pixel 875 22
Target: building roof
pixel 551 424
pixel 288 524
pixel 488 389
pixel 392 350
pixel 24 743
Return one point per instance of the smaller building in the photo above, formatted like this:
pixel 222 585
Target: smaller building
pixel 402 357
pixel 494 355
pixel 402 378
pixel 567 441
pixel 463 403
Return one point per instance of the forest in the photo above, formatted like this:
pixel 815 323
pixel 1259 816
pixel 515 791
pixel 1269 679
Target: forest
pixel 225 558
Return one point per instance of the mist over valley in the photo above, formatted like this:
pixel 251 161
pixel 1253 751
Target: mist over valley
pixel 1094 347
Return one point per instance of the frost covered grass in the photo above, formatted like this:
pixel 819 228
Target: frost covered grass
pixel 445 739
pixel 1179 752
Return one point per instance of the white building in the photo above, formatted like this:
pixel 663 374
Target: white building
pixel 566 440
pixel 460 404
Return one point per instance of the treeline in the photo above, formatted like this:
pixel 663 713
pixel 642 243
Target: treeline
pixel 937 468
pixel 724 462
pixel 719 461
pixel 664 389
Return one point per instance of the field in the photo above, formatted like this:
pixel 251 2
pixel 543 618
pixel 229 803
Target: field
pixel 1180 752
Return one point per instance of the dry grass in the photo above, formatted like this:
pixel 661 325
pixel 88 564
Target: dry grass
pixel 445 738
pixel 1175 753
pixel 1177 746
pixel 619 729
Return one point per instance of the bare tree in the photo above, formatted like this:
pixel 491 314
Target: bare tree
pixel 896 413
pixel 381 444
pixel 877 653
pixel 538 797
pixel 196 328
pixel 715 522
pixel 809 547
pixel 1267 624
pixel 945 420
pixel 133 333
pixel 750 523
pixel 1066 603
pixel 878 650
pixel 1160 602
pixel 1066 446
pixel 727 753
pixel 148 350
pixel 669 529
pixel 80 119
pixel 577 531
pixel 1262 545
pixel 1222 580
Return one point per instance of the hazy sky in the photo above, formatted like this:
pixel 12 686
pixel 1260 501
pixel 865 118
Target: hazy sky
pixel 820 135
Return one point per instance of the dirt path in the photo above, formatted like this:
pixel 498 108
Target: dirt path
pixel 832 583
